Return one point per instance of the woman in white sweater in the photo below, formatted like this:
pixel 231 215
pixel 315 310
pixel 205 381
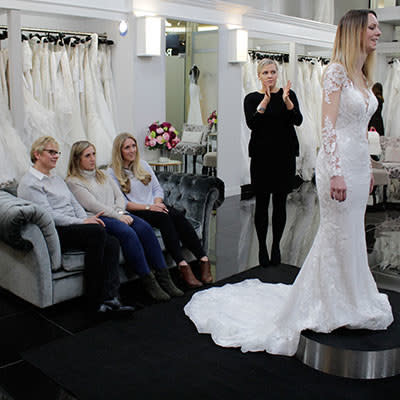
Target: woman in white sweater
pixel 97 192
pixel 146 199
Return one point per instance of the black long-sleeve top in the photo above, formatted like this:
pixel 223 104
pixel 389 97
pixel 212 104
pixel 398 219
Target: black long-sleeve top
pixel 272 133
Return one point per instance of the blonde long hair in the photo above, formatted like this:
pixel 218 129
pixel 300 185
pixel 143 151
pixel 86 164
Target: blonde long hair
pixel 74 169
pixel 135 167
pixel 350 42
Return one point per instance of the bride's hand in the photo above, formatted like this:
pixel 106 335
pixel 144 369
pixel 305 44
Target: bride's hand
pixel 371 184
pixel 338 188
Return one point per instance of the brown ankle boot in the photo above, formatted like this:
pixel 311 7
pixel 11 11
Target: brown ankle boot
pixel 205 269
pixel 188 277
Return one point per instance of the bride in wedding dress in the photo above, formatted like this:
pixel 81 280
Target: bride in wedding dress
pixel 334 287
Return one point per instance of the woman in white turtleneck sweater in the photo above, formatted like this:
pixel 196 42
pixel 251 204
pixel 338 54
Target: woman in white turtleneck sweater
pixel 97 192
pixel 145 199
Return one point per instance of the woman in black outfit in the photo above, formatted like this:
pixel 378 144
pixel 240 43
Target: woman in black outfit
pixel 271 114
pixel 377 120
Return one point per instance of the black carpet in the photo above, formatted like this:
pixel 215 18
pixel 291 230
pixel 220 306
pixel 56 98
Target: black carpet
pixel 158 354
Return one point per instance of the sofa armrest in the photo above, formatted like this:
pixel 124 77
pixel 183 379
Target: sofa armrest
pixel 16 214
pixel 195 195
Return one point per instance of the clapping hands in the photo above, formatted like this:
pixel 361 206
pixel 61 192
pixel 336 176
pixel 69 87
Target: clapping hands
pixel 285 96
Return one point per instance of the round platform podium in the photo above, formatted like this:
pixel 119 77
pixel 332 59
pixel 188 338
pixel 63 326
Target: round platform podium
pixel 359 354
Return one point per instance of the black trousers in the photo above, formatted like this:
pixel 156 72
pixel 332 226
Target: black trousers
pixel 174 228
pixel 278 217
pixel 101 259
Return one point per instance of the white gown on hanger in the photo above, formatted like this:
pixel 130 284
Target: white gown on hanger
pixel 102 108
pixel 36 81
pixel 96 131
pixel 65 82
pixel 305 163
pixel 334 287
pixel 392 103
pixel 45 79
pixel 391 91
pixel 14 159
pixel 194 114
pixel 108 83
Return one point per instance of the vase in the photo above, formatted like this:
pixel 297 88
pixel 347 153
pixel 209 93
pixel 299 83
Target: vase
pixel 164 156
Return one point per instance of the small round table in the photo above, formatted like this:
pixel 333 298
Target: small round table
pixel 170 165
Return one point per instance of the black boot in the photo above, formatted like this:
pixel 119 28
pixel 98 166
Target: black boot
pixel 113 308
pixel 164 279
pixel 153 288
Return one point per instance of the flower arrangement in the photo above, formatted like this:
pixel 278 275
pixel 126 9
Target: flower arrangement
pixel 212 119
pixel 161 136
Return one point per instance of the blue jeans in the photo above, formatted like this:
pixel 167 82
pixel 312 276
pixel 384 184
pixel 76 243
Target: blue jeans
pixel 139 244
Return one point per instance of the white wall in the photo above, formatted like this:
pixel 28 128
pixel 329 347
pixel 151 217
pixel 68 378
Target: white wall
pixel 230 110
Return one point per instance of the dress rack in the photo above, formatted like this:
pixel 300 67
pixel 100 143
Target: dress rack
pixel 393 59
pixel 60 35
pixel 323 60
pixel 273 55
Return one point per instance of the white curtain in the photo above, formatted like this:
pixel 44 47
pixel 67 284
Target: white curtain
pixel 324 11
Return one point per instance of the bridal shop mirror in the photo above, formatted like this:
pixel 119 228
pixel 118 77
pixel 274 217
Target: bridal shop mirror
pixel 191 100
pixel 191 92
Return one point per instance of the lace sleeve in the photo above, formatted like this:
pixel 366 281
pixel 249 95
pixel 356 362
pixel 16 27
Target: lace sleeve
pixel 333 81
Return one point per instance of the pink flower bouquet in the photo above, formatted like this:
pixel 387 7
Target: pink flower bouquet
pixel 212 119
pixel 161 136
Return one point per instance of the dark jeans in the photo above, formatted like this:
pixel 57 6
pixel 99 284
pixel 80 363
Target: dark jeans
pixel 139 244
pixel 101 258
pixel 174 228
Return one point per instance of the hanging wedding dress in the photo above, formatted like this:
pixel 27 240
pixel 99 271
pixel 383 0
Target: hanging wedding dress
pixel 76 66
pixel 96 131
pixel 305 163
pixel 36 81
pixel 45 101
pixel 108 83
pixel 65 88
pixel 194 114
pixel 40 120
pixel 11 167
pixel 3 78
pixel 102 108
pixel 335 287
pixel 391 93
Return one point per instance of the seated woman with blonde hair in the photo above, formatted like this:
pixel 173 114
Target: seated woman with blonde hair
pixel 97 192
pixel 145 199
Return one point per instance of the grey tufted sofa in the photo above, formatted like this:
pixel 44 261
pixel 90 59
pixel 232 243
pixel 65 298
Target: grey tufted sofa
pixel 31 263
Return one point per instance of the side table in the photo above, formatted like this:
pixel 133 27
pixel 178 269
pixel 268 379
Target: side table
pixel 170 165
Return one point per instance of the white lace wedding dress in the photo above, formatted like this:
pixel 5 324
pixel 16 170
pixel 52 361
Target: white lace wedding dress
pixel 194 113
pixel 334 287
